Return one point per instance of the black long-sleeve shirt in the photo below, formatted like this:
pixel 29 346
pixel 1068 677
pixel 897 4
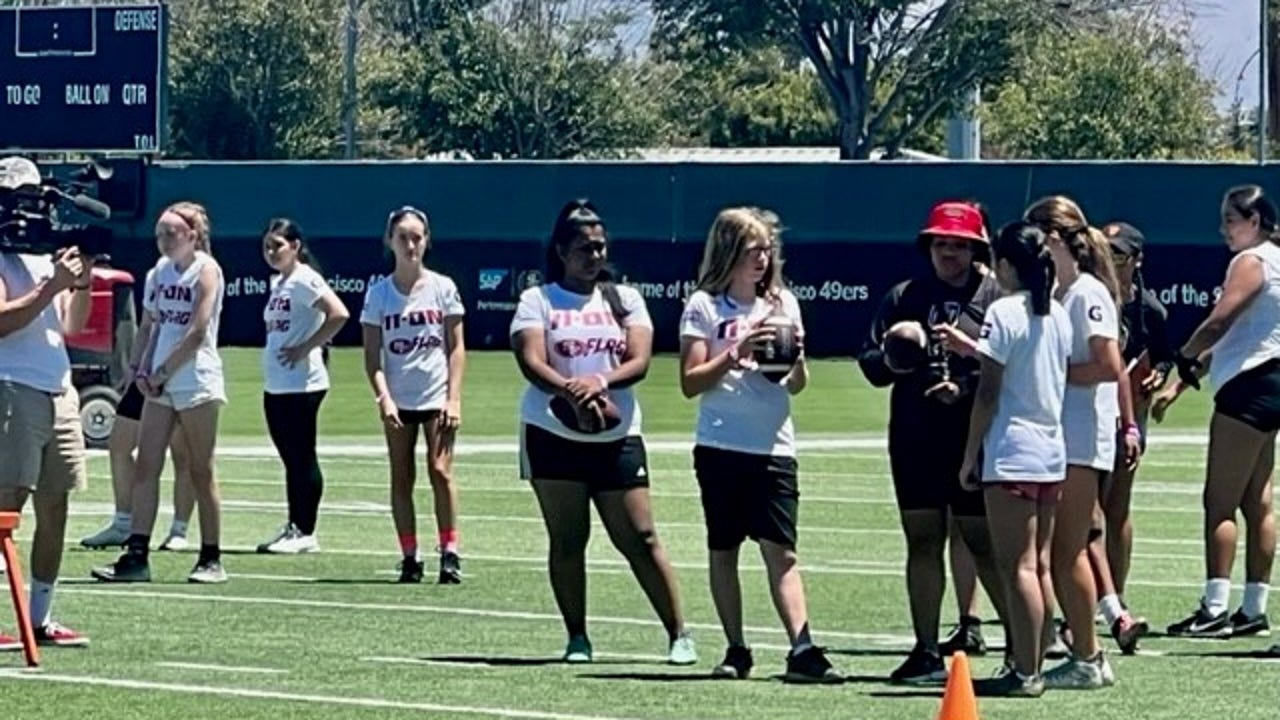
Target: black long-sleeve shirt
pixel 1146 324
pixel 929 301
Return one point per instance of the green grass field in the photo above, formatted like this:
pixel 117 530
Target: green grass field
pixel 330 635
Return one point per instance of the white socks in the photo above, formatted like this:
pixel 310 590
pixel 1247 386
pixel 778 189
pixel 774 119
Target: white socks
pixel 1111 608
pixel 178 528
pixel 1217 595
pixel 1255 599
pixel 123 520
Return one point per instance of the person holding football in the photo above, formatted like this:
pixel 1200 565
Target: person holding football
pixel 583 342
pixel 1238 346
pixel 738 324
pixel 931 398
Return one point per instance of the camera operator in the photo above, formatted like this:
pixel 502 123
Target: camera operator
pixel 42 298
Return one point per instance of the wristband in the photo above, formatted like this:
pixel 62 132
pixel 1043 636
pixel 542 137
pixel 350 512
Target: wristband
pixel 1133 431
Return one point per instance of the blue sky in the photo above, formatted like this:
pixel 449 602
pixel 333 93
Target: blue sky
pixel 1226 33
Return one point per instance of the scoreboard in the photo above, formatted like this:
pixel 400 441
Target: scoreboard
pixel 83 78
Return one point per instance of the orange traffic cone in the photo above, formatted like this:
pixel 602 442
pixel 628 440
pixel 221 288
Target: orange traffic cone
pixel 958 701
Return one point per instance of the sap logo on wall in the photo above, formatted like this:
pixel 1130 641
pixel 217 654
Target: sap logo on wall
pixel 491 278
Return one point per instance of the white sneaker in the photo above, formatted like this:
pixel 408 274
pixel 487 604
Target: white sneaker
pixel 290 541
pixel 208 573
pixel 174 543
pixel 683 651
pixel 1075 674
pixel 110 536
pixel 4 566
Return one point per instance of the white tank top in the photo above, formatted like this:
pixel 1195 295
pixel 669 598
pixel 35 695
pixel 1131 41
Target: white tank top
pixel 171 298
pixel 36 355
pixel 1254 338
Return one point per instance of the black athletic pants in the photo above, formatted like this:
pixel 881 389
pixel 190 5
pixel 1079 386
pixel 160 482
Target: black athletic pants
pixel 291 420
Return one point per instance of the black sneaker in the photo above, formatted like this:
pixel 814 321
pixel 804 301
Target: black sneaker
pixel 921 666
pixel 1243 626
pixel 965 637
pixel 1010 684
pixel 1128 630
pixel 450 569
pixel 410 570
pixel 130 567
pixel 811 666
pixel 1202 624
pixel 736 664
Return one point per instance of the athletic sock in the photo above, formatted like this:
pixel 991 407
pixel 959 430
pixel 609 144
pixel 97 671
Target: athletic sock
pixel 123 520
pixel 449 540
pixel 178 528
pixel 41 602
pixel 1217 595
pixel 1111 608
pixel 1255 599
pixel 138 544
pixel 409 545
pixel 210 554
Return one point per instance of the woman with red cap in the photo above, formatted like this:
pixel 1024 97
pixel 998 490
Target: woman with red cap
pixel 930 402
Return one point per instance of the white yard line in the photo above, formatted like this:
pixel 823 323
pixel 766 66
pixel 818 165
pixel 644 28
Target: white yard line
pixel 498 712
pixel 478 446
pixel 120 593
pixel 223 668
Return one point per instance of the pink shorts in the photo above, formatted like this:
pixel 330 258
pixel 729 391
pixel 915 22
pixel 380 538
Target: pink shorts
pixel 1040 493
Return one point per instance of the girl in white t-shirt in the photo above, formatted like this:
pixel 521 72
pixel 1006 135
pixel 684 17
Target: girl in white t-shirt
pixel 744 454
pixel 415 358
pixel 1015 444
pixel 181 377
pixel 583 342
pixel 1240 344
pixel 1091 420
pixel 302 315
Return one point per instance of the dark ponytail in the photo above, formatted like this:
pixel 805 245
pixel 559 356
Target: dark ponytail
pixel 288 230
pixel 575 217
pixel 1026 248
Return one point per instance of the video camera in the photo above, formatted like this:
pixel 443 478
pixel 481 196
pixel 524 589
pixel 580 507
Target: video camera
pixel 36 211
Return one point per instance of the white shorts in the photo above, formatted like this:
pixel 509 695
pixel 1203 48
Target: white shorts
pixel 187 399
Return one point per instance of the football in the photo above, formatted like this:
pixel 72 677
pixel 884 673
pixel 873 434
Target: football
pixel 776 358
pixel 595 417
pixel 905 346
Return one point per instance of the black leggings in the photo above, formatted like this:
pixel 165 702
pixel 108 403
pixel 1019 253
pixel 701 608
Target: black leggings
pixel 291 420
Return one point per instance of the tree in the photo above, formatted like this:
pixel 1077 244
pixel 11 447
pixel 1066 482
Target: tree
pixel 757 98
pixel 1132 92
pixel 252 79
pixel 889 67
pixel 525 79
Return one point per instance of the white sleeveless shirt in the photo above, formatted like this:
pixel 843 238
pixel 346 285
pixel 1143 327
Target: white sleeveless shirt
pixel 1254 338
pixel 171 298
pixel 36 355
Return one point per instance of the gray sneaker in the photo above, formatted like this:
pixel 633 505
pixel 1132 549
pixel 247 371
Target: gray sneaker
pixel 1075 674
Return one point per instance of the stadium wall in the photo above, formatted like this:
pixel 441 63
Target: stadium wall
pixel 850 226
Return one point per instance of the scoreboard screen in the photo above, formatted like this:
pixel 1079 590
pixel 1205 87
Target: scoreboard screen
pixel 82 78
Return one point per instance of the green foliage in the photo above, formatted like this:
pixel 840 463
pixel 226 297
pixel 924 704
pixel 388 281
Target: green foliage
pixel 254 78
pixel 758 97
pixel 1132 92
pixel 532 83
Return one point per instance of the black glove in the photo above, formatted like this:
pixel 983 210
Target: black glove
pixel 1187 368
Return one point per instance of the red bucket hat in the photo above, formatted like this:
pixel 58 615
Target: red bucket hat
pixel 954 219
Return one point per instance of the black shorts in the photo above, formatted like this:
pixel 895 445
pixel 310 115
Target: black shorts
pixel 747 496
pixel 1253 397
pixel 603 466
pixel 417 417
pixel 130 405
pixel 926 473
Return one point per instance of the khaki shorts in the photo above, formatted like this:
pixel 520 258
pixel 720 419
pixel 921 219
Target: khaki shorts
pixel 41 440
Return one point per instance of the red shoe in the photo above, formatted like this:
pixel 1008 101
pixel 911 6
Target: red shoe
pixel 55 635
pixel 9 643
